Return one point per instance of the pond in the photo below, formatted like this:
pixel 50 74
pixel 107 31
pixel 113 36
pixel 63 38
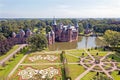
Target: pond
pixel 83 42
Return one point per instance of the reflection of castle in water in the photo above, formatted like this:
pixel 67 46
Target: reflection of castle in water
pixel 65 45
pixel 83 42
pixel 86 42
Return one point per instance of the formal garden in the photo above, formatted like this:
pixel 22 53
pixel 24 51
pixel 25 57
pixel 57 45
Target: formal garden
pixel 76 64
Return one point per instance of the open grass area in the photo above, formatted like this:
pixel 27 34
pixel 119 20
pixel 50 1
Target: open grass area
pixel 115 57
pixel 9 52
pixel 4 71
pixel 77 52
pixel 89 76
pixel 115 75
pixel 71 58
pixel 100 52
pixel 75 70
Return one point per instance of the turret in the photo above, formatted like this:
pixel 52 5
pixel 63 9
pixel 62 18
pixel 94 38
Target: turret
pixel 53 36
pixel 54 24
pixel 13 34
pixel 22 33
pixel 87 29
pixel 76 26
pixel 28 33
pixel 69 33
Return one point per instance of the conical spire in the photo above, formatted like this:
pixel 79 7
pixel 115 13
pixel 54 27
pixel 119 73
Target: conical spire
pixel 54 21
pixel 76 25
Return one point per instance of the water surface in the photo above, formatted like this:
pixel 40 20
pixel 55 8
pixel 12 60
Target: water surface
pixel 83 42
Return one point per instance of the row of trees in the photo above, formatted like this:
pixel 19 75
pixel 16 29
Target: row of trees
pixel 6 45
pixel 65 69
pixel 99 25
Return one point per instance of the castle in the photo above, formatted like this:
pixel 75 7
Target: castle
pixel 21 37
pixel 59 33
pixel 62 33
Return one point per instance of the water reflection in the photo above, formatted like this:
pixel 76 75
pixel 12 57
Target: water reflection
pixel 83 42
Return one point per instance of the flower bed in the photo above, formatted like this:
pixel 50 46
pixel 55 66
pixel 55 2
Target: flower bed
pixel 30 72
pixel 43 57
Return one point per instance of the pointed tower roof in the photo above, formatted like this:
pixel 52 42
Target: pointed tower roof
pixel 54 21
pixel 69 26
pixel 76 25
pixel 13 34
pixel 87 25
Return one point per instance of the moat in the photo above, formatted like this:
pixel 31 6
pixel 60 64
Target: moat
pixel 83 42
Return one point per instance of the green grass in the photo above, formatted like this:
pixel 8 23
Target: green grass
pixel 71 58
pixel 4 71
pixel 115 75
pixel 89 76
pixel 9 52
pixel 75 71
pixel 100 53
pixel 116 58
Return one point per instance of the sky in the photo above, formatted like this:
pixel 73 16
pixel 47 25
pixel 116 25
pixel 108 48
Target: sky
pixel 60 8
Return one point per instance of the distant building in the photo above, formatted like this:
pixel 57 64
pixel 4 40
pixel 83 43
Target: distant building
pixel 62 33
pixel 87 29
pixel 21 37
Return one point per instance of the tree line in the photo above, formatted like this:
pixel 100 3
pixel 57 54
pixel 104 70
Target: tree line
pixel 14 25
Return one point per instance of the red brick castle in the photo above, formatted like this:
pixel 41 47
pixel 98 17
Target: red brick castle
pixel 62 33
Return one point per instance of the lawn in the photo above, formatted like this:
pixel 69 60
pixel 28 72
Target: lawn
pixel 71 58
pixel 77 52
pixel 116 58
pixel 115 75
pixel 100 52
pixel 75 70
pixel 9 52
pixel 4 71
pixel 89 76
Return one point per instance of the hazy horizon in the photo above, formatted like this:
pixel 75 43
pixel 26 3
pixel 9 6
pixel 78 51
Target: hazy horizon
pixel 60 8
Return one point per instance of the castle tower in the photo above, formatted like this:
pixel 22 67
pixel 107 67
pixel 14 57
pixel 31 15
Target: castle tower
pixel 69 33
pixel 22 33
pixel 87 29
pixel 28 33
pixel 76 26
pixel 13 35
pixel 49 38
pixel 53 36
pixel 54 24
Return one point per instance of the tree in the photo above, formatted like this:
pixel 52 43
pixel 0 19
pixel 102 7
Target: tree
pixel 80 29
pixel 2 37
pixel 48 29
pixel 112 37
pixel 37 42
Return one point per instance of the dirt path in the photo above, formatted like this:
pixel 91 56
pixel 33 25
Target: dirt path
pixel 17 66
pixel 84 73
pixel 11 55
pixel 89 54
